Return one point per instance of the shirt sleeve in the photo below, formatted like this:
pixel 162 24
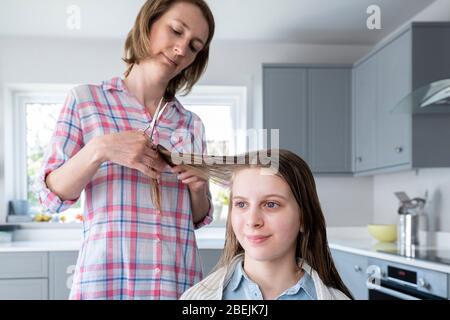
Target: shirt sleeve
pixel 199 143
pixel 66 141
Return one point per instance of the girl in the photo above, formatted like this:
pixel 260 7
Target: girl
pixel 276 245
pixel 132 247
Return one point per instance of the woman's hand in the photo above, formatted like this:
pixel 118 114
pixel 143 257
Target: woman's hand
pixel 134 150
pixel 189 176
pixel 198 188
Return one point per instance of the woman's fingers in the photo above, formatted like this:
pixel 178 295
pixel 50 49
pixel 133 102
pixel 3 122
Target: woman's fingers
pixel 178 169
pixel 156 164
pixel 191 179
pixel 148 171
pixel 188 174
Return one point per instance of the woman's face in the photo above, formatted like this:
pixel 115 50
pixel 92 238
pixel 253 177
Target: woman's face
pixel 264 215
pixel 176 38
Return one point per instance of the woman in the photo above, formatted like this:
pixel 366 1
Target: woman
pixel 276 244
pixel 132 248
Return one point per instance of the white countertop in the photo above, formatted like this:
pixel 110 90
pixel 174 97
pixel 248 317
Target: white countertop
pixel 27 246
pixel 207 238
pixel 358 241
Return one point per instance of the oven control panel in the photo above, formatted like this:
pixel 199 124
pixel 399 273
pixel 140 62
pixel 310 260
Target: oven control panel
pixel 424 280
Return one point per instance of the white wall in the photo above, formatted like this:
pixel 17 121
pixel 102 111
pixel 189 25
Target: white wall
pixel 346 201
pixel 437 181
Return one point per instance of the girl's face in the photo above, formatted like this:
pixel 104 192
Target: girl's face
pixel 176 38
pixel 264 215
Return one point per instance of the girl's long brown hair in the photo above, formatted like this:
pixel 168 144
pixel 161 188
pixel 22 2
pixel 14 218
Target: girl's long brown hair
pixel 312 244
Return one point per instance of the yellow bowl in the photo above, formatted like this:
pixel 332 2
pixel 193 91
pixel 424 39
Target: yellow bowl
pixel 383 232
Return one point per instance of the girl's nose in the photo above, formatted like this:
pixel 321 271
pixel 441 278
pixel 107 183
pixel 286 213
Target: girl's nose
pixel 254 219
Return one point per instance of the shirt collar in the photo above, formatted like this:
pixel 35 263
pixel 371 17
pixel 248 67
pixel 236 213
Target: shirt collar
pixel 306 282
pixel 117 84
pixel 238 276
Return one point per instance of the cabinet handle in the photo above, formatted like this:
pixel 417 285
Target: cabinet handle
pixel 398 149
pixel 359 159
pixel 357 268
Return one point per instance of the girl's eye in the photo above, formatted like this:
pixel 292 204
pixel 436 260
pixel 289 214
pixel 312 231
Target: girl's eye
pixel 272 205
pixel 239 204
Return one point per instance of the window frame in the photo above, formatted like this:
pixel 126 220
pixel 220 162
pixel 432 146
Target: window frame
pixel 20 121
pixel 235 96
pixel 14 147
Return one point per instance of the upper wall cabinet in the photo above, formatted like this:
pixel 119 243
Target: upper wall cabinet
pixel 368 135
pixel 329 106
pixel 389 139
pixel 311 106
pixel 285 107
pixel 382 138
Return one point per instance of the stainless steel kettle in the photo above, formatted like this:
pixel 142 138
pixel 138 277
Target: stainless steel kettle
pixel 411 217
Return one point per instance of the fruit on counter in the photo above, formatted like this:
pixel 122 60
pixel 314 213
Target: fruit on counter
pixel 42 217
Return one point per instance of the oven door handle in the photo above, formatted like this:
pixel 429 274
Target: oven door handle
pixel 393 293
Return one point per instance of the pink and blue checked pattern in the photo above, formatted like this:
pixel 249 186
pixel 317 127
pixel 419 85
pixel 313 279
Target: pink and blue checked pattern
pixel 130 250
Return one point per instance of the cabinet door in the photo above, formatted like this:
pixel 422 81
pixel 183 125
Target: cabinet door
pixel 285 106
pixel 365 115
pixel 352 270
pixel 209 258
pixel 24 289
pixel 23 265
pixel 61 268
pixel 394 81
pixel 330 128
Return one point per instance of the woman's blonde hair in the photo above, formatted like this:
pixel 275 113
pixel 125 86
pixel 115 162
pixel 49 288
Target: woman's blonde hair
pixel 137 43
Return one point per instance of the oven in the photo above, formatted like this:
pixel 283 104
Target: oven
pixel 393 281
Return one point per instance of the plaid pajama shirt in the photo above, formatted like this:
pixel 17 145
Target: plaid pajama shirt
pixel 129 250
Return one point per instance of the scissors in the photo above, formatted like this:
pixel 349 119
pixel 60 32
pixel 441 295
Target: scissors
pixel 156 116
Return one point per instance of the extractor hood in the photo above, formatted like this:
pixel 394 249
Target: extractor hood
pixel 431 98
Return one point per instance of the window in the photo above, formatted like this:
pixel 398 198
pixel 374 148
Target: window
pixel 34 121
pixel 223 112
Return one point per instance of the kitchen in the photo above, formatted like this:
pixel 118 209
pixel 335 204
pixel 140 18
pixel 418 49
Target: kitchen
pixel 360 152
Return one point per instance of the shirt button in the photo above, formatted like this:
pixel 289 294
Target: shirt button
pixel 158 239
pixel 157 270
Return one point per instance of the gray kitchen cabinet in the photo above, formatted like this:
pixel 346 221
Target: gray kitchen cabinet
pixel 23 265
pixel 389 140
pixel 352 270
pixel 24 275
pixel 209 258
pixel 311 106
pixel 24 289
pixel 285 107
pixel 61 269
pixel 330 119
pixel 365 126
pixel 382 136
pixel 393 83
